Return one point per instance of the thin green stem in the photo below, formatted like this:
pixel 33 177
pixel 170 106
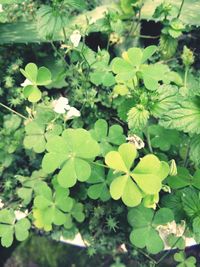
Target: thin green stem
pixel 13 111
pixel 180 9
pixel 99 164
pixel 149 140
pixel 186 76
pixel 64 34
pixel 185 163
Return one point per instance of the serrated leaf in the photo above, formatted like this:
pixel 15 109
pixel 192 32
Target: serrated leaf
pixel 137 118
pixel 185 116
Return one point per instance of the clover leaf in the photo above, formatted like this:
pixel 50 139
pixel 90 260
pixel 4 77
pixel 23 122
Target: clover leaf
pixel 10 227
pixel 36 77
pixel 76 213
pixel 126 67
pixel 29 185
pixel 145 179
pixel 183 261
pixel 99 183
pixel 36 135
pixel 163 138
pixel 144 222
pixel 70 153
pixel 51 208
pixel 107 136
pixel 101 70
pixel 184 179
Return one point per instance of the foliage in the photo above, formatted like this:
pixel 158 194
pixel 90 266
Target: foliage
pixel 144 222
pixel 108 126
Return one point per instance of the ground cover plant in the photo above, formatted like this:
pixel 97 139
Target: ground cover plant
pixel 100 126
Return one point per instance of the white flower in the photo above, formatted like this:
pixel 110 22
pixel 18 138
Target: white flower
pixel 61 105
pixel 26 82
pixel 75 38
pixel 1 204
pixel 73 112
pixel 136 140
pixel 20 214
pixel 1 8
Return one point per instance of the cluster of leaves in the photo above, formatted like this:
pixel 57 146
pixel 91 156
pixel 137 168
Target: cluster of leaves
pixel 83 175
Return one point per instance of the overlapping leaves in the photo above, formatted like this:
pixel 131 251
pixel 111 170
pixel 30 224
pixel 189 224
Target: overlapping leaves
pixel 99 183
pixel 132 65
pixel 108 137
pixel 51 208
pixel 144 222
pixel 70 153
pixel 145 179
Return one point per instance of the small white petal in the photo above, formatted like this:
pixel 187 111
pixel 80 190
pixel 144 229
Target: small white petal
pixel 61 105
pixel 1 8
pixel 26 82
pixel 20 215
pixel 75 38
pixel 73 112
pixel 1 204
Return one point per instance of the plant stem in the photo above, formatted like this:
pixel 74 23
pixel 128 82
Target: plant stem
pixel 99 164
pixel 149 140
pixel 180 9
pixel 64 34
pixel 185 77
pixel 13 111
pixel 186 156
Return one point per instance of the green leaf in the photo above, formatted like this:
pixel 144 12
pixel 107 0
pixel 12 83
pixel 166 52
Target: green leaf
pixel 32 93
pixel 137 118
pixel 184 179
pixel 69 153
pixel 144 222
pixel 107 137
pixel 30 72
pixel 43 76
pixel 185 116
pixel 152 74
pixel 10 227
pixel 194 150
pixel 99 184
pixel 51 208
pixel 164 100
pixel 145 178
pixel 163 138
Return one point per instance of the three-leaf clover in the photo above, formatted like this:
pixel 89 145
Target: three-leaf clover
pixel 36 77
pixel 99 183
pixel 145 179
pixel 51 208
pixel 144 222
pixel 101 70
pixel 184 262
pixel 107 137
pixel 29 185
pixel 10 227
pixel 126 67
pixel 36 135
pixel 70 153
